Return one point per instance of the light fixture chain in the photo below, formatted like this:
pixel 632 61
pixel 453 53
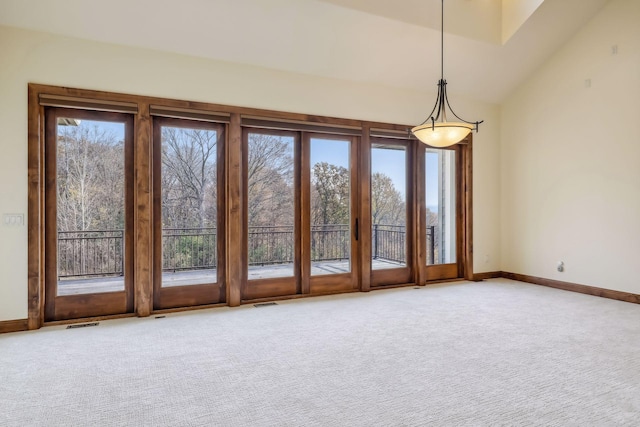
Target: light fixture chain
pixel 442 41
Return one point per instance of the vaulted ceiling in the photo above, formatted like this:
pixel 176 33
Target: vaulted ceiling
pixel 491 46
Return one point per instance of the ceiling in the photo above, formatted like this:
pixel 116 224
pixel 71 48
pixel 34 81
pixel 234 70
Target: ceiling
pixel 356 40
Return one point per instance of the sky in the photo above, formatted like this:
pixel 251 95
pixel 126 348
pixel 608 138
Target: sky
pixel 117 128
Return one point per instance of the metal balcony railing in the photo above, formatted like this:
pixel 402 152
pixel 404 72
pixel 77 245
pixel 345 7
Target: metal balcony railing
pixel 101 252
pixel 388 242
pixel 90 253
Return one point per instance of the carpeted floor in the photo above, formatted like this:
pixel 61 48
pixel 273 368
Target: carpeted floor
pixel 491 353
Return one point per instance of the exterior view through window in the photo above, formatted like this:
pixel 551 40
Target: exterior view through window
pixel 388 207
pixel 440 180
pixel 330 206
pixel 189 206
pixel 271 210
pixel 90 206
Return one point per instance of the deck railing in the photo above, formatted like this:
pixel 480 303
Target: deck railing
pixel 189 249
pixel 101 252
pixel 90 253
pixel 269 245
pixel 389 243
pixel 330 242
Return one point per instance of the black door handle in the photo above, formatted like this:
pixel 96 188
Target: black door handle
pixel 356 231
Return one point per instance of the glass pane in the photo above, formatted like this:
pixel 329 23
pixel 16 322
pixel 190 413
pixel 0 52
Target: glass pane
pixel 189 206
pixel 90 206
pixel 271 206
pixel 388 207
pixel 440 186
pixel 330 207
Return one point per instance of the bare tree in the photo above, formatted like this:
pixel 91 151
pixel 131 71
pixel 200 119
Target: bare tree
pixel 270 180
pixel 90 178
pixel 330 194
pixel 387 205
pixel 189 177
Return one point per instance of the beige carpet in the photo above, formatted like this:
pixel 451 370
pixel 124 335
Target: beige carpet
pixel 465 354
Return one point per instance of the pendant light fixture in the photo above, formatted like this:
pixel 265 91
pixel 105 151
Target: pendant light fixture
pixel 436 131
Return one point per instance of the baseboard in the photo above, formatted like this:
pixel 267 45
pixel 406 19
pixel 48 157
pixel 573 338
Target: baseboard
pixel 88 319
pixel 13 326
pixel 574 287
pixel 477 277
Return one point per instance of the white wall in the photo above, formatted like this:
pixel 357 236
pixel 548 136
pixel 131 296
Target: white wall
pixel 47 59
pixel 514 14
pixel 571 159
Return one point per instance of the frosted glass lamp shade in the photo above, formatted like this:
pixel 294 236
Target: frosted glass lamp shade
pixel 442 134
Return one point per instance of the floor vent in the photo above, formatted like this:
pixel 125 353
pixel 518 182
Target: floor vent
pixel 82 325
pixel 419 287
pixel 264 304
pixel 160 317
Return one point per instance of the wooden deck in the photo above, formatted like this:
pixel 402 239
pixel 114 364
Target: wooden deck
pixel 196 277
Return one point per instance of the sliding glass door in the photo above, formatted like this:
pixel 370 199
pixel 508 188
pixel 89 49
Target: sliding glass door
pixel 300 201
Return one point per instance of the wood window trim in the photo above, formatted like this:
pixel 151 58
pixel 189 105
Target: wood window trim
pixel 143 231
pixel 292 125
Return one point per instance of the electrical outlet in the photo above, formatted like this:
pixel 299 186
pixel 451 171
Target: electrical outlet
pixel 13 220
pixel 560 266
